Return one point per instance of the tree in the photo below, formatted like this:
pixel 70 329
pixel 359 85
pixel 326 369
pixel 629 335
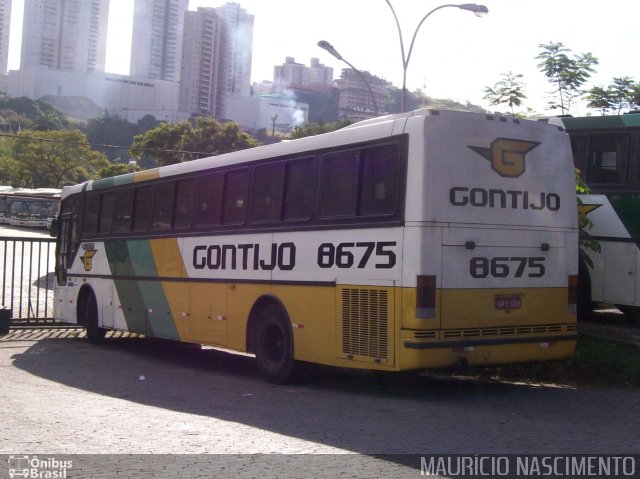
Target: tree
pixel 567 74
pixel 211 137
pixel 599 99
pixel 308 129
pixel 115 169
pixel 634 96
pixel 55 158
pixel 621 91
pixel 171 143
pixel 509 90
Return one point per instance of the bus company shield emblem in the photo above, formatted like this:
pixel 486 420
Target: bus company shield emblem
pixel 87 259
pixel 507 155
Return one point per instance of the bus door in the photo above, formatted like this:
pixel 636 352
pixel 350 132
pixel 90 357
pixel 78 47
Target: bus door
pixel 64 245
pixel 620 266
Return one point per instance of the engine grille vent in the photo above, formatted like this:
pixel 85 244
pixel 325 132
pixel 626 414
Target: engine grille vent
pixel 365 322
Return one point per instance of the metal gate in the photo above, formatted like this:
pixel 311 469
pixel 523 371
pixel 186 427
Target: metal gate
pixel 27 279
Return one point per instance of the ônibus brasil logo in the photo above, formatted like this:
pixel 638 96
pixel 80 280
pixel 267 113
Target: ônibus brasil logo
pixel 507 155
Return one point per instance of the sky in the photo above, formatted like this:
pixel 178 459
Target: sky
pixel 456 54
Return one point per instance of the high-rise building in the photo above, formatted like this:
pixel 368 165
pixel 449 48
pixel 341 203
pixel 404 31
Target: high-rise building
pixel 296 76
pixel 157 39
pixel 5 22
pixel 362 95
pixel 66 35
pixel 216 59
pixel 201 78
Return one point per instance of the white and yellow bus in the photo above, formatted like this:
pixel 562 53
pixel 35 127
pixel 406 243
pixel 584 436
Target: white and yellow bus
pixel 405 242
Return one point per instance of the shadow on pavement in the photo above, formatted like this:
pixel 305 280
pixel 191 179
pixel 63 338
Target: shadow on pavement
pixel 346 409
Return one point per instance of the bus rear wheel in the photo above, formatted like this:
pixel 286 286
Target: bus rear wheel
pixel 95 334
pixel 274 347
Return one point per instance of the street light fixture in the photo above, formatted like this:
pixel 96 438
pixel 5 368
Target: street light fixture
pixel 329 48
pixel 478 11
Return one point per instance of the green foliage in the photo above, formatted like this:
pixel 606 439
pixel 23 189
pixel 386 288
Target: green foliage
pixel 115 169
pixel 63 157
pixel 113 130
pixel 171 143
pixel 622 93
pixel 9 171
pixel 41 115
pixel 567 74
pixel 308 129
pixel 585 240
pixel 509 90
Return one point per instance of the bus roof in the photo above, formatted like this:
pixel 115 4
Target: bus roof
pixel 600 122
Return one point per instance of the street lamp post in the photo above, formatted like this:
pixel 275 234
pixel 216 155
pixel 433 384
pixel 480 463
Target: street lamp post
pixel 478 10
pixel 329 48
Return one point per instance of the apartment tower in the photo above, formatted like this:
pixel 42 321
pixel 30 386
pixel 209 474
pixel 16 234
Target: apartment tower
pixel 216 59
pixel 66 35
pixel 157 39
pixel 5 22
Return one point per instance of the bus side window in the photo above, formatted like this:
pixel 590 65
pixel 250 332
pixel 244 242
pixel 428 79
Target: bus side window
pixel 608 158
pixel 91 214
pixel 236 191
pixel 106 213
pixel 300 189
pixel 339 184
pixel 380 180
pixel 209 200
pixel 580 148
pixel 124 211
pixel 162 206
pixel 266 196
pixel 184 203
pixel 141 209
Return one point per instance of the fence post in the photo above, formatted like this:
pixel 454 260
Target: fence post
pixel 5 320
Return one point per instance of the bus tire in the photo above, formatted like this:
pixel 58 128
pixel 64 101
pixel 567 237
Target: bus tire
pixel 95 334
pixel 274 346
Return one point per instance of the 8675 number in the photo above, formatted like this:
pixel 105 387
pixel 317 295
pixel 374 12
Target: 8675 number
pixel 504 266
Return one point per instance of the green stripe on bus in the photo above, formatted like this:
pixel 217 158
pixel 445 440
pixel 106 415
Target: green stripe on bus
pixel 111 182
pixel 597 122
pixel 144 305
pixel 626 207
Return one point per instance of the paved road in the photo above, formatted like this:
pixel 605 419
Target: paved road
pixel 61 395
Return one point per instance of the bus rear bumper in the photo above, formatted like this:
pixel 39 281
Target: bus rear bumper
pixel 416 354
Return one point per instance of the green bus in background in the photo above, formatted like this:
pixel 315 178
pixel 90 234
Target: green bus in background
pixel 606 150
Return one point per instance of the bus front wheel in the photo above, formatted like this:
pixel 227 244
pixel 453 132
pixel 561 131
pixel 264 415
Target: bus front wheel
pixel 274 346
pixel 95 334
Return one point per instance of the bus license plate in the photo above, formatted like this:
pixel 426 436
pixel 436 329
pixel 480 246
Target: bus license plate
pixel 508 302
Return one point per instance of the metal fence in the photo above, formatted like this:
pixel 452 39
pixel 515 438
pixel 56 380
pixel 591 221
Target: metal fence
pixel 27 279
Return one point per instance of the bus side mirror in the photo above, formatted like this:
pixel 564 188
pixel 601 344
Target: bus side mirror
pixel 53 229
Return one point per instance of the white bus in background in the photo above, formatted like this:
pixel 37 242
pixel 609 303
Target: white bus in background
pixel 405 242
pixel 606 150
pixel 34 208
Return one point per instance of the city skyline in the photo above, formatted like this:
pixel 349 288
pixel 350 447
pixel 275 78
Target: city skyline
pixel 470 53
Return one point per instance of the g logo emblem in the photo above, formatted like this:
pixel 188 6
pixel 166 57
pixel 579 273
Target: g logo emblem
pixel 507 155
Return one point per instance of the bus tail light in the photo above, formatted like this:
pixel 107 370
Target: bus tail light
pixel 426 297
pixel 572 294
